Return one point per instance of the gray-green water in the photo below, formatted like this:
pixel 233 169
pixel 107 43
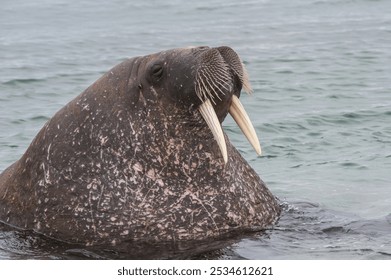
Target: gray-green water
pixel 321 73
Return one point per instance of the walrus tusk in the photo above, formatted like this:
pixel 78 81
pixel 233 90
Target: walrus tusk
pixel 241 118
pixel 209 115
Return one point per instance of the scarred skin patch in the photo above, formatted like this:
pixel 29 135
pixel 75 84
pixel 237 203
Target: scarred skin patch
pixel 131 158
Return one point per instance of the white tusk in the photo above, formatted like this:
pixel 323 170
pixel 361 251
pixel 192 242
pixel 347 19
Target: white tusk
pixel 241 118
pixel 209 115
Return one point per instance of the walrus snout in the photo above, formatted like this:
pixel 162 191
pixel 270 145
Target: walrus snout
pixel 219 72
pixel 218 66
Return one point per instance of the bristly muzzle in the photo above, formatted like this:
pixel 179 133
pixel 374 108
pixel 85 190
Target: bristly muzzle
pixel 215 78
pixel 236 65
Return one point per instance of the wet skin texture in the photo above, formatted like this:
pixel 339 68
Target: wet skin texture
pixel 131 158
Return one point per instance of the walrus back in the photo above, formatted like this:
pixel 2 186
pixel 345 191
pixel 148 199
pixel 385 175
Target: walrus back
pixel 25 185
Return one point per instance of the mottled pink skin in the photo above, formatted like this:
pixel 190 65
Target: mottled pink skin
pixel 132 159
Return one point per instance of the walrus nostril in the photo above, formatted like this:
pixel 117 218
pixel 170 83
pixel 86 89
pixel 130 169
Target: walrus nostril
pixel 199 50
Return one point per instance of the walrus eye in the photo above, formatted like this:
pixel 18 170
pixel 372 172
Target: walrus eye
pixel 157 70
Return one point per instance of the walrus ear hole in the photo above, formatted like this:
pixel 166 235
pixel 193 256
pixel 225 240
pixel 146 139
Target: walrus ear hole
pixel 157 71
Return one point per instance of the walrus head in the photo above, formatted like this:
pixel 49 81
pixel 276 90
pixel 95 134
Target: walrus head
pixel 209 79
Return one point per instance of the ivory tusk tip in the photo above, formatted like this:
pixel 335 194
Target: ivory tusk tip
pixel 258 150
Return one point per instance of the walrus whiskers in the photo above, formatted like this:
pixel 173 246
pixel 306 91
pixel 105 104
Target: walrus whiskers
pixel 202 91
pixel 212 88
pixel 245 81
pixel 208 83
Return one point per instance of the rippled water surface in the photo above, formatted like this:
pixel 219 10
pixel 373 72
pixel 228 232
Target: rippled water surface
pixel 321 74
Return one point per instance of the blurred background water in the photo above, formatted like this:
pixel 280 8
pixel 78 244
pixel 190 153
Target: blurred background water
pixel 321 74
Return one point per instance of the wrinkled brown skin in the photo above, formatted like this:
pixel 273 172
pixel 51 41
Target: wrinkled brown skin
pixel 132 159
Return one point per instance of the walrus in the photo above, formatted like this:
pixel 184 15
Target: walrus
pixel 141 155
